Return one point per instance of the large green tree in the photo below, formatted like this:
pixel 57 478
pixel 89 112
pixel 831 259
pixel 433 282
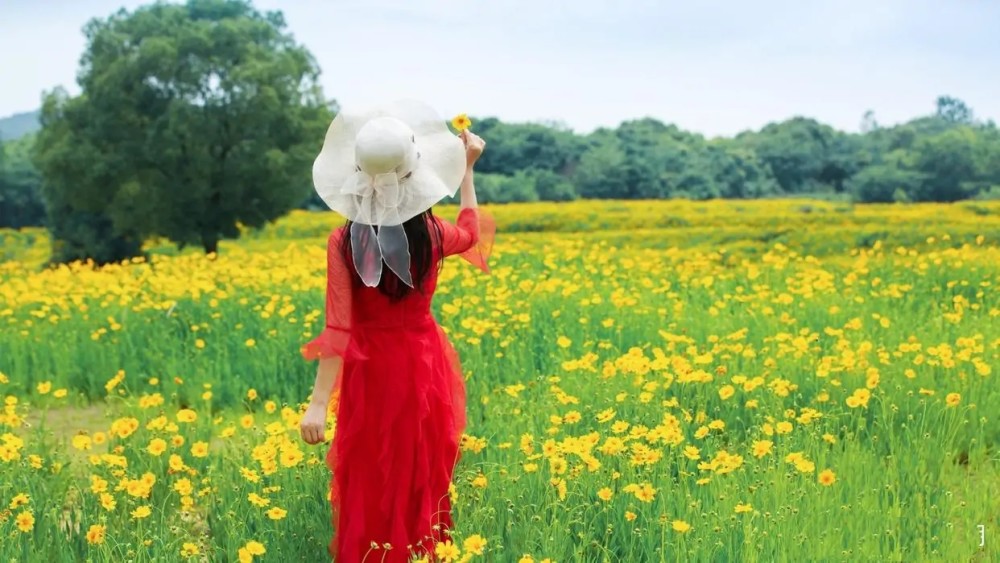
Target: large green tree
pixel 194 118
pixel 805 155
pixel 948 162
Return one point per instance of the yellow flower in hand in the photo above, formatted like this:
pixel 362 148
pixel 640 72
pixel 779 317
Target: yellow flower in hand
pixel 461 122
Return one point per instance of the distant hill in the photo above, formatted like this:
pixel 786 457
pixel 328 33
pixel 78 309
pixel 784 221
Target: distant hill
pixel 19 125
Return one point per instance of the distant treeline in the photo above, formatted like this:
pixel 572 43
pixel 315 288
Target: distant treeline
pixel 196 120
pixel 946 156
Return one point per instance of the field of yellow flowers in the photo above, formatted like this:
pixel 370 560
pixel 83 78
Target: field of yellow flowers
pixel 648 381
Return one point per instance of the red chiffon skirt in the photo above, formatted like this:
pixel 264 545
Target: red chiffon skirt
pixel 400 415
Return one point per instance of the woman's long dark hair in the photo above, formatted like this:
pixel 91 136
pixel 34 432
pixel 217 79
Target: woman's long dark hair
pixel 423 234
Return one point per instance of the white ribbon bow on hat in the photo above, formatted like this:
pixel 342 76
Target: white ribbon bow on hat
pixel 382 167
pixel 378 200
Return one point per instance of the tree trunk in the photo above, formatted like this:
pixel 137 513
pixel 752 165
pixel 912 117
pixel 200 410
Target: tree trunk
pixel 210 243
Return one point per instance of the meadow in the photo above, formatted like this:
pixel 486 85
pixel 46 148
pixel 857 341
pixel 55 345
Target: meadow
pixel 784 380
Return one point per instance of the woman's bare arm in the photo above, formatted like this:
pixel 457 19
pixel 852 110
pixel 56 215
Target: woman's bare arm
pixel 468 190
pixel 313 425
pixel 326 374
pixel 474 147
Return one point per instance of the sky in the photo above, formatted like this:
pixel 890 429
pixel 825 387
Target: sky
pixel 709 66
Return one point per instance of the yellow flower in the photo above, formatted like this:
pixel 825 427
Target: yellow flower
pixel 644 492
pixel 861 397
pixel 108 502
pixel 255 548
pixel 81 442
pixel 136 488
pixel 250 343
pixel 44 387
pixel 740 508
pixel 184 486
pixel 157 446
pixel 20 499
pixel 605 494
pixel 276 513
pixel 186 415
pixel 680 526
pixel 124 427
pixel 25 521
pixel 251 394
pixel 952 399
pixel 95 535
pixel 447 551
pixel 177 463
pixel 827 477
pixel 141 512
pixel 560 485
pixel 479 482
pixel 249 475
pixel 605 415
pixel 461 122
pixel 805 466
pixel 189 549
pixel 474 544
pixel 762 447
pixel 526 559
pixel 199 449
pixel 794 457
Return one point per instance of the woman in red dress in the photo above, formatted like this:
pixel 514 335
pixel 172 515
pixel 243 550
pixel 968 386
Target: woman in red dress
pixel 385 366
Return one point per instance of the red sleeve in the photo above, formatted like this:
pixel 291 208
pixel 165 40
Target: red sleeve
pixel 336 335
pixel 471 237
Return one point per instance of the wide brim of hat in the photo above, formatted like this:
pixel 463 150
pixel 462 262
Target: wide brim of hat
pixel 437 176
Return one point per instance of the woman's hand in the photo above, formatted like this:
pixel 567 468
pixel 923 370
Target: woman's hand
pixel 474 147
pixel 313 425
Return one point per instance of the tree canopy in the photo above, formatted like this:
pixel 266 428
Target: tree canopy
pixel 193 119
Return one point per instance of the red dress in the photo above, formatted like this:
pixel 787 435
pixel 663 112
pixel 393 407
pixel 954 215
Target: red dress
pixel 399 401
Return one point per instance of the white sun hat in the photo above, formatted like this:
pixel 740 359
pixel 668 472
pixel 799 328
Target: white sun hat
pixel 382 166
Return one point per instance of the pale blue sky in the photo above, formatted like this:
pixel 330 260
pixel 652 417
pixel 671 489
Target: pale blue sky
pixel 709 66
